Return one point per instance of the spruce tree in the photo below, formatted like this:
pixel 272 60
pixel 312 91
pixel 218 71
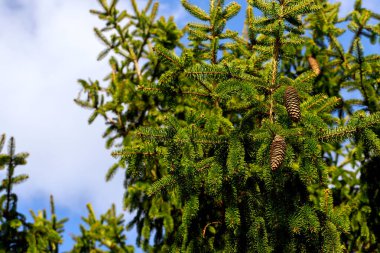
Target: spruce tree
pixel 16 234
pixel 227 142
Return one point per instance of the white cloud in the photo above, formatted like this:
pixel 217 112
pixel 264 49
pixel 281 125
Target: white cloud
pixel 45 47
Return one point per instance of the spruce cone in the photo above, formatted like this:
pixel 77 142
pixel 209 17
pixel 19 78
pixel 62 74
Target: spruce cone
pixel 314 65
pixel 292 103
pixel 277 152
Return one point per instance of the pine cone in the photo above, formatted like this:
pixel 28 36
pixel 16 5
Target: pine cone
pixel 292 103
pixel 314 65
pixel 277 152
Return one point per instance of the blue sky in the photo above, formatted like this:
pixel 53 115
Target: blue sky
pixel 45 46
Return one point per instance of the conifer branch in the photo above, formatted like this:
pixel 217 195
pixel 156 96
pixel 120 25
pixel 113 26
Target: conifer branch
pixel 195 93
pixel 360 56
pixel 276 52
pixel 135 8
pixel 205 86
pixel 152 136
pixel 166 54
pixel 148 32
pixel 231 10
pixel 328 105
pixel 329 33
pixel 314 101
pixel 160 185
pixel 275 59
pixel 136 64
pixel 125 153
pixel 338 133
pixel 202 101
pixel 148 5
pixel 102 38
pixel 365 15
pixel 195 11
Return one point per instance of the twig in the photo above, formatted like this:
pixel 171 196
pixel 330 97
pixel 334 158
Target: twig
pixel 204 229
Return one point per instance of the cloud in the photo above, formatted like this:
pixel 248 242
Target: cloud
pixel 45 47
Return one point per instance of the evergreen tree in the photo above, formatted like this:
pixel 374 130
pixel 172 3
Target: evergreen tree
pixel 229 143
pixel 16 234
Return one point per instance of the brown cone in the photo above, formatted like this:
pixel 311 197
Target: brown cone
pixel 292 103
pixel 314 65
pixel 277 152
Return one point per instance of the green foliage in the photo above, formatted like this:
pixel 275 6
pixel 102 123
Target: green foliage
pixel 106 234
pixel 195 124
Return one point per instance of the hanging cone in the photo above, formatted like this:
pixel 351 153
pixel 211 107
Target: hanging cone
pixel 314 65
pixel 277 152
pixel 292 103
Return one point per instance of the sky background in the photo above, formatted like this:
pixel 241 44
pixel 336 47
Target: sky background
pixel 45 46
